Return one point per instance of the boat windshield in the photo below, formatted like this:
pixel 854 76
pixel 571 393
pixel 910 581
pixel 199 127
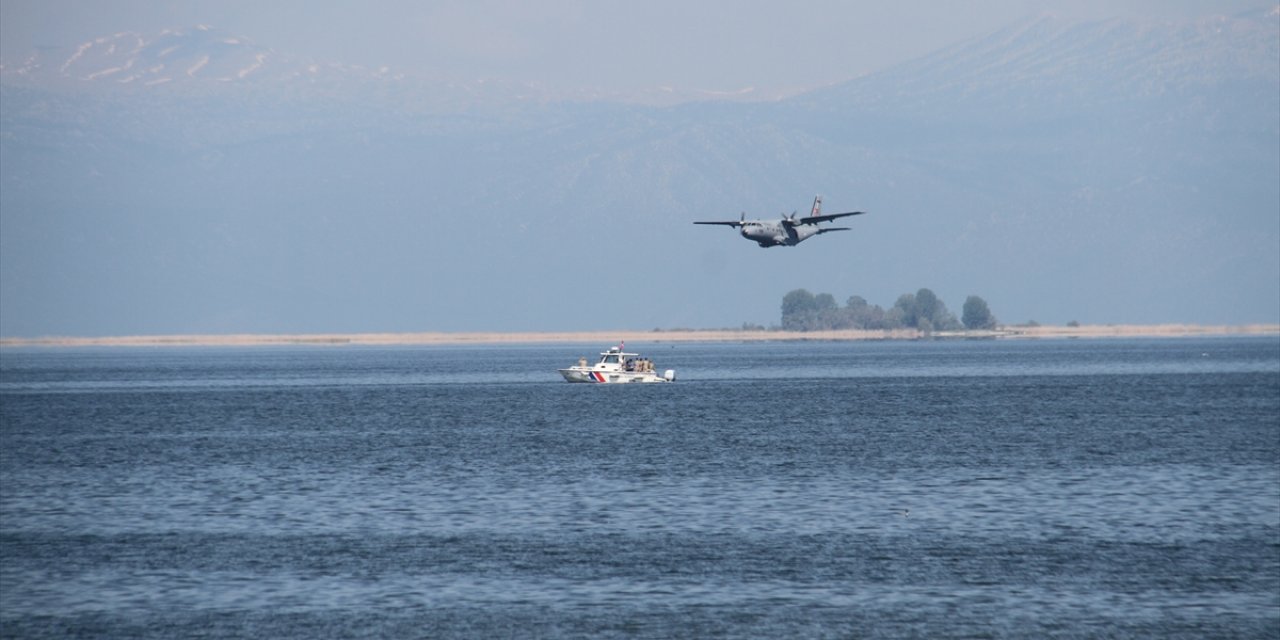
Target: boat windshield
pixel 610 358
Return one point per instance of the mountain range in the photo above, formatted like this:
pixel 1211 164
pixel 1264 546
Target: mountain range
pixel 196 182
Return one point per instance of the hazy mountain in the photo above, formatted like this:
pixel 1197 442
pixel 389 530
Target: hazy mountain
pixel 202 60
pixel 194 181
pixel 199 54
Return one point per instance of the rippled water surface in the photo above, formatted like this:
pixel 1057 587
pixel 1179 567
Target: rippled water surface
pixel 878 489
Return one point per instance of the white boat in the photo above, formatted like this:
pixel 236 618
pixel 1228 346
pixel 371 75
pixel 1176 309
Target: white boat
pixel 616 365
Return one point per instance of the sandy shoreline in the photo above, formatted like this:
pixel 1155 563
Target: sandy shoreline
pixel 636 337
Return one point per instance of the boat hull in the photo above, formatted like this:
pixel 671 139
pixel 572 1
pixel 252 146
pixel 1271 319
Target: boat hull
pixel 575 374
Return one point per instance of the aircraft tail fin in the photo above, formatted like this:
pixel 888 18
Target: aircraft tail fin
pixel 817 207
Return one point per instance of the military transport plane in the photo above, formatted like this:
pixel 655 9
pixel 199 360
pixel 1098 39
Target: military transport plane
pixel 790 230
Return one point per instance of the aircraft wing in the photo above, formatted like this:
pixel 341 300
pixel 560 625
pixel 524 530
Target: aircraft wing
pixel 828 217
pixel 730 223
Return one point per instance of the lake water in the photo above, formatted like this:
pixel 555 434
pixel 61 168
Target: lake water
pixel 1059 488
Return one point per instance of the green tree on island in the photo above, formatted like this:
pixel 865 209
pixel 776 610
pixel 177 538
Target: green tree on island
pixel 804 311
pixel 798 306
pixel 922 310
pixel 976 314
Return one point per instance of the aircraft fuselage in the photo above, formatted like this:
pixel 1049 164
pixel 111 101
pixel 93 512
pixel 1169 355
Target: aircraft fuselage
pixel 775 234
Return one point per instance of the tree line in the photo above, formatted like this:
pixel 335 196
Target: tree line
pixel 922 310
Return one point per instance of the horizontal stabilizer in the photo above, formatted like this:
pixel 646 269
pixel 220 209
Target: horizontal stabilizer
pixel 822 231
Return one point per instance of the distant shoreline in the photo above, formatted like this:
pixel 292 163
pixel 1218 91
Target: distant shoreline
pixel 651 336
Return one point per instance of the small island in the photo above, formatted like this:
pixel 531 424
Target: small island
pixel 805 317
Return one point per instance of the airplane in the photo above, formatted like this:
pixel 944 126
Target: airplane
pixel 790 230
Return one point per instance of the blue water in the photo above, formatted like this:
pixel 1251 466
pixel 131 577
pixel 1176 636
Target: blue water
pixel 878 489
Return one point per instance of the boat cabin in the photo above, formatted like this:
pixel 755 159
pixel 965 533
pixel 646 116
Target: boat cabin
pixel 615 359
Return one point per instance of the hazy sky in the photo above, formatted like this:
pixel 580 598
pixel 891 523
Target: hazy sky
pixel 608 44
pixel 275 237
